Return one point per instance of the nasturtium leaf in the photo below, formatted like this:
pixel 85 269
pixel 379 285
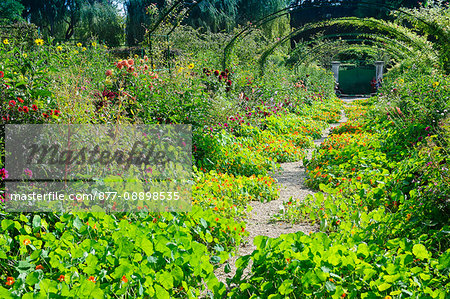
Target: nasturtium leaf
pixel 36 221
pixel 77 223
pixel 147 246
pixel 244 286
pixel 32 278
pixel 165 279
pixel 384 286
pixel 4 293
pixel 286 287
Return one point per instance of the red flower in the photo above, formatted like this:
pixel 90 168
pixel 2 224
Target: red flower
pixel 56 112
pixel 130 61
pixel 124 279
pixel 20 109
pixel 229 82
pixel 20 100
pixel 91 278
pixel 39 267
pixel 45 115
pixel 2 74
pixel 34 107
pixel 216 72
pixel 25 109
pixel 9 281
pixel 108 72
pixel 61 278
pixel 12 103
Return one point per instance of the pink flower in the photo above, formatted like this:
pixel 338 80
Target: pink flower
pixel 28 172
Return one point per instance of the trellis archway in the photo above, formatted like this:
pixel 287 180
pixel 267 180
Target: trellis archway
pixel 380 45
pixel 287 10
pixel 391 44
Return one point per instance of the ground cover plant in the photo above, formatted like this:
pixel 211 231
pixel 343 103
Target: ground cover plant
pixel 149 254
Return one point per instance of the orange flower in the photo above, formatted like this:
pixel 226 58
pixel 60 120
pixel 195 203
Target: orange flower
pixel 91 278
pixel 9 281
pixel 26 242
pixel 39 267
pixel 124 279
pixel 61 278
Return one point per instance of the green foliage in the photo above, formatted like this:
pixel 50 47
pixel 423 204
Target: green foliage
pixel 102 21
pixel 10 11
pixel 214 15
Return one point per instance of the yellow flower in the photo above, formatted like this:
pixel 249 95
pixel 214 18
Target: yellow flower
pixel 435 84
pixel 408 217
pixel 104 46
pixel 388 297
pixel 39 41
pixel 135 56
pixel 6 41
pixel 83 49
pixel 94 44
pixel 180 69
pixel 191 66
pixel 401 80
pixel 59 48
pixel 75 52
pixel 79 44
pixel 24 55
pixel 26 242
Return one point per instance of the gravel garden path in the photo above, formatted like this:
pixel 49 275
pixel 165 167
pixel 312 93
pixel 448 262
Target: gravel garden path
pixel 261 222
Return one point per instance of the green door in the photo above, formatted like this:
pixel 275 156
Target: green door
pixel 356 79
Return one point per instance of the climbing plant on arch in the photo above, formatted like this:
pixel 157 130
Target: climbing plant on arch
pixel 395 47
pixel 311 53
pixel 441 34
pixel 398 32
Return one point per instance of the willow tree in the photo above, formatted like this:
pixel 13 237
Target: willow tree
pixel 214 15
pixel 101 20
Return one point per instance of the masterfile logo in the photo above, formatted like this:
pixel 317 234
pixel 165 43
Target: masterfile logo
pixel 117 168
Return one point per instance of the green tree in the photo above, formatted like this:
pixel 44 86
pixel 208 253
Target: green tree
pixel 101 20
pixel 214 15
pixel 137 19
pixel 56 18
pixel 254 10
